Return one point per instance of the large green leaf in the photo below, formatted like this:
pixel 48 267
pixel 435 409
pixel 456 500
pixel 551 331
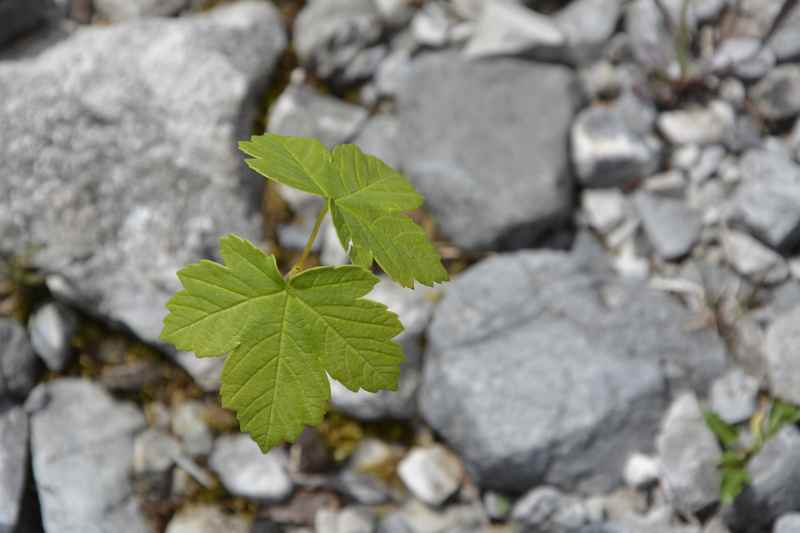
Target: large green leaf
pixel 367 199
pixel 283 336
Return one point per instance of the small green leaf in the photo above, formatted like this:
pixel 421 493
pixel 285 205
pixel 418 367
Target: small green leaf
pixel 283 336
pixel 734 480
pixel 726 433
pixel 367 200
pixel 782 413
pixel 733 459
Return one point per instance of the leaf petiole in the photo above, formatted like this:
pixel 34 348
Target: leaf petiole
pixel 310 243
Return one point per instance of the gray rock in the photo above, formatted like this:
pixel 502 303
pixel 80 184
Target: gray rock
pixel 547 510
pixel 300 110
pixel 205 371
pixel 394 523
pixel 708 9
pixel 785 42
pixel 119 10
pixel 432 474
pixel 752 259
pixel 788 523
pixel 555 346
pixel 415 309
pixel 608 152
pixel 20 16
pixel 490 158
pixel 588 25
pixel 330 34
pixel 709 125
pixel 768 199
pixel 601 80
pixel 348 520
pixel 757 66
pixel 18 365
pixel 708 164
pixel 392 72
pixel 364 65
pixel 51 328
pixel 746 134
pixel 468 9
pixel 783 367
pixel 13 464
pixel 755 17
pixel 716 525
pixel 734 51
pixel 775 475
pixel 648 32
pixel 154 452
pixel 248 473
pixel 420 518
pixel 82 449
pixel 733 91
pixel 733 396
pixel 509 28
pixel 379 138
pixel 777 96
pixel 604 209
pixel 206 519
pixel 190 426
pixel 671 226
pixel 658 520
pixel 689 457
pixel 670 183
pixel 395 13
pixel 362 488
pixel 126 168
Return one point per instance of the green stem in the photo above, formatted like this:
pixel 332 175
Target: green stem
pixel 311 238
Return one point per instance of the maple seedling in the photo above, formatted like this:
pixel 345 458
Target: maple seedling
pixel 284 335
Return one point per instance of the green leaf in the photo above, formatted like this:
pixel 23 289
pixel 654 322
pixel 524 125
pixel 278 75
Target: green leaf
pixel 367 200
pixel 726 433
pixel 782 413
pixel 283 336
pixel 733 483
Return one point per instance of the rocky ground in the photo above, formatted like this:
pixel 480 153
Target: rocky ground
pixel 614 186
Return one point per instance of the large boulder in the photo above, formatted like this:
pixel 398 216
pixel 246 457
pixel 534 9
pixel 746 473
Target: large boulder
pixel 119 151
pixel 490 158
pixel 82 450
pixel 541 370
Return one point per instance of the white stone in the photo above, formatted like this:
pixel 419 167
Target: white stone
pixel 733 396
pixel 432 474
pixel 507 28
pixel 189 424
pixel 604 209
pixel 641 470
pixel 247 472
pixel 206 519
pixel 698 125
